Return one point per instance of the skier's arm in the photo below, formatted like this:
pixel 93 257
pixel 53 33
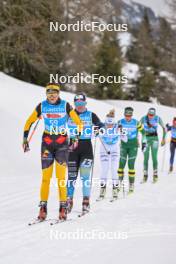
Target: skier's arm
pixel 140 128
pixel 168 128
pixel 75 117
pixel 97 124
pixel 163 127
pixel 142 120
pixel 32 118
pixel 96 121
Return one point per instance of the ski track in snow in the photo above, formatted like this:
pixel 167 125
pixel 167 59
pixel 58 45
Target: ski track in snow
pixel 147 218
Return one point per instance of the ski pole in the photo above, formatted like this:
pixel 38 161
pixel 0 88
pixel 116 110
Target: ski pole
pixel 92 171
pixel 34 129
pixel 164 155
pixel 123 189
pixel 107 151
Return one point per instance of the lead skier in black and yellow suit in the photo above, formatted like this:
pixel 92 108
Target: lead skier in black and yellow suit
pixel 55 113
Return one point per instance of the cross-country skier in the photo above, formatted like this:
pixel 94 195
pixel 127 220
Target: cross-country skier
pixel 81 157
pixel 150 123
pixel 55 113
pixel 109 155
pixel 172 129
pixel 129 146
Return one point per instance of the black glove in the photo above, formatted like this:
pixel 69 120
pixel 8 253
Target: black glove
pixel 74 143
pixel 167 126
pixel 25 145
pixel 144 146
pixel 96 131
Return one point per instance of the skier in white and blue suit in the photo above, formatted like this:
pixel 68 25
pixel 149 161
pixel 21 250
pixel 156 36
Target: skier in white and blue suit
pixel 109 154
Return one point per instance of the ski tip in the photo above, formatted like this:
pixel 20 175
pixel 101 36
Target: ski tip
pixel 113 200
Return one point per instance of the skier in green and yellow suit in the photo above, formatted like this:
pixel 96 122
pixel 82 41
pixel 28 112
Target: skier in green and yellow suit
pixel 151 122
pixel 129 145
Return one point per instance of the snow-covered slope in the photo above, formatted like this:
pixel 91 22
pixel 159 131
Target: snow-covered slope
pixel 144 223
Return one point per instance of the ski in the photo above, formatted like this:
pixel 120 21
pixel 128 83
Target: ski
pixel 99 199
pixel 57 221
pixel 37 221
pixel 113 200
pixel 143 182
pixel 83 213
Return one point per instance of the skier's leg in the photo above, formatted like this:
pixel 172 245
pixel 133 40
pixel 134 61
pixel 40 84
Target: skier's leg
pixel 73 167
pixel 114 162
pixel 85 173
pixel 172 152
pixel 86 162
pixel 132 154
pixel 47 159
pixel 146 160
pixel 154 149
pixel 61 181
pixel 122 162
pixel 104 160
pixel 61 157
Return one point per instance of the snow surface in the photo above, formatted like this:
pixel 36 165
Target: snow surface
pixel 145 221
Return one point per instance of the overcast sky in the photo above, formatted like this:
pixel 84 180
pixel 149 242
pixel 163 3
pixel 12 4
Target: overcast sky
pixel 159 6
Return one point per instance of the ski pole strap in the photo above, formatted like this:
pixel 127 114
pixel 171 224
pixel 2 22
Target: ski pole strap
pixel 34 129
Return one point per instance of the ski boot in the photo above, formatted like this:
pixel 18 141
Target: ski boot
pixel 145 178
pixel 115 191
pixel 131 188
pixel 155 176
pixel 85 205
pixel 43 211
pixel 171 169
pixel 69 204
pixel 102 192
pixel 63 211
pixel 121 183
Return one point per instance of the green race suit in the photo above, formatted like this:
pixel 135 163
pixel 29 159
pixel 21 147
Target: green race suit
pixel 129 147
pixel 151 127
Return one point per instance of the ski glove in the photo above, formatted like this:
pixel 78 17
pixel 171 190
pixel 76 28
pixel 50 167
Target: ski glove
pixel 167 126
pixel 163 142
pixel 144 146
pixel 96 131
pixel 73 143
pixel 25 145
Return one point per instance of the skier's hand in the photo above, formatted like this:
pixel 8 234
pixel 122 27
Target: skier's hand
pixel 25 145
pixel 96 131
pixel 74 143
pixel 163 142
pixel 144 146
